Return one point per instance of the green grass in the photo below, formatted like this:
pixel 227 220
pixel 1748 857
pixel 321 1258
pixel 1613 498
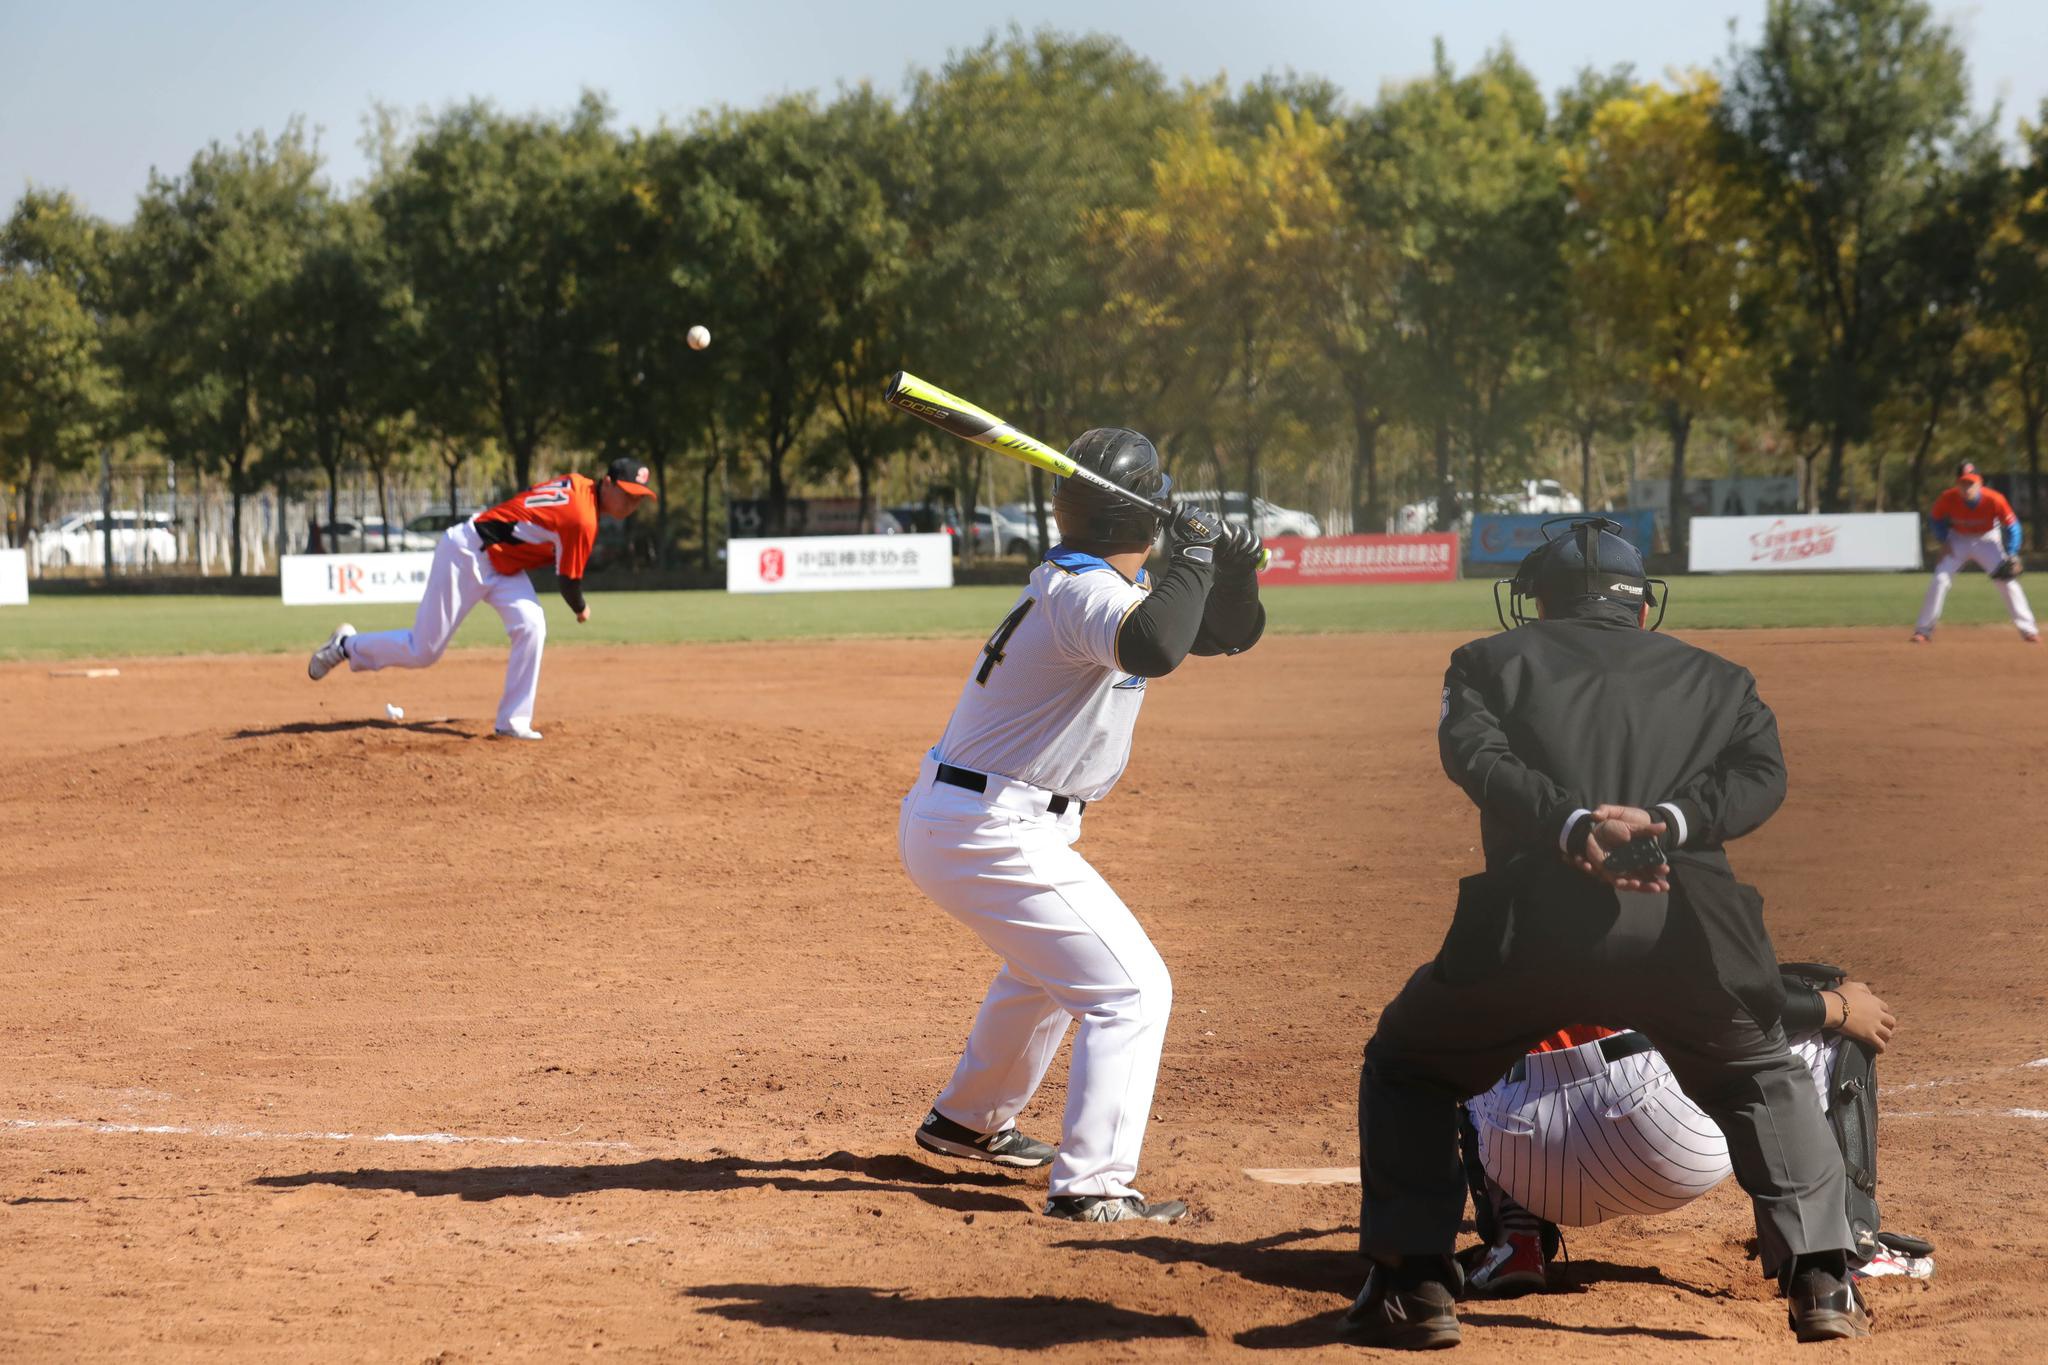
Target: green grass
pixel 113 627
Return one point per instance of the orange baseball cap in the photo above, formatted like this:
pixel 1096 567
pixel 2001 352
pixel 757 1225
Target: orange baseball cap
pixel 1970 477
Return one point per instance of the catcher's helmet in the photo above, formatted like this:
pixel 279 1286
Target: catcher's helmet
pixel 1091 516
pixel 1579 557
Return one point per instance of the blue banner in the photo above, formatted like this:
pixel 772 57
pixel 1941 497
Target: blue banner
pixel 1507 539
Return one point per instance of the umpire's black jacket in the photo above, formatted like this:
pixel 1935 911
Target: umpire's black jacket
pixel 1544 722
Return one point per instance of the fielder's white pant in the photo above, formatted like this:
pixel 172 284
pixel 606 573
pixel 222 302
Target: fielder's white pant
pixel 460 577
pixel 1580 1139
pixel 1001 865
pixel 1987 549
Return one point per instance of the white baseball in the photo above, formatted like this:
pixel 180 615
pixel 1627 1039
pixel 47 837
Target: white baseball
pixel 699 337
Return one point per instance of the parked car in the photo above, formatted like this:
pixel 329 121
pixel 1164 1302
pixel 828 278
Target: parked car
pixel 367 536
pixel 927 517
pixel 997 534
pixel 1541 497
pixel 141 539
pixel 1237 508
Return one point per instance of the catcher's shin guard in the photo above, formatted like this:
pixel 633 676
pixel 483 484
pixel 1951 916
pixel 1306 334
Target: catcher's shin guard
pixel 1483 1218
pixel 1852 1113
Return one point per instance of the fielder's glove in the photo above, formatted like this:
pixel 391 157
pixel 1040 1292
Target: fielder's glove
pixel 2008 569
pixel 1237 553
pixel 1192 534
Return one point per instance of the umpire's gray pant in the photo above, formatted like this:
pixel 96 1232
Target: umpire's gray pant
pixel 1452 1033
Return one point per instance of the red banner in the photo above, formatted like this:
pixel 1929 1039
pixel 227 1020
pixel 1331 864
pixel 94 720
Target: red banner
pixel 1362 559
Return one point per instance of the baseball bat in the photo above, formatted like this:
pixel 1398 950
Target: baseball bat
pixel 955 415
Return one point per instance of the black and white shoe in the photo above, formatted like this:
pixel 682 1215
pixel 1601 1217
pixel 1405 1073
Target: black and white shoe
pixel 1404 1311
pixel 1008 1148
pixel 1113 1208
pixel 334 652
pixel 1823 1306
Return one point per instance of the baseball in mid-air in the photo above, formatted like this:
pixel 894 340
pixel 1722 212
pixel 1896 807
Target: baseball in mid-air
pixel 700 337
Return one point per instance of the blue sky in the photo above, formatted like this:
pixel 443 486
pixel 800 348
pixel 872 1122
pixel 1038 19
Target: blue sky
pixel 93 93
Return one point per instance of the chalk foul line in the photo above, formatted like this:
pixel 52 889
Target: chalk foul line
pixel 222 1130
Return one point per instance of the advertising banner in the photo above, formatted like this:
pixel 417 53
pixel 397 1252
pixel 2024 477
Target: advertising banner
pixel 13 578
pixel 399 577
pixel 1873 541
pixel 1361 559
pixel 1509 539
pixel 839 563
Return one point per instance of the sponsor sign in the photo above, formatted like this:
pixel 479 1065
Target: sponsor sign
pixel 398 577
pixel 1361 559
pixel 1875 541
pixel 838 563
pixel 13 578
pixel 1509 539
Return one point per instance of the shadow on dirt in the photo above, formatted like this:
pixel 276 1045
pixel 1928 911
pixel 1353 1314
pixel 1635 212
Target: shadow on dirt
pixel 856 1175
pixel 337 727
pixel 1264 1260
pixel 1013 1322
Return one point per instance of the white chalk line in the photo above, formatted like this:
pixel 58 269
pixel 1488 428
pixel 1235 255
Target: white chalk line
pixel 222 1130
pixel 2038 1062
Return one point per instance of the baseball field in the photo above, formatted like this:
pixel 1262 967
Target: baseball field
pixel 334 1038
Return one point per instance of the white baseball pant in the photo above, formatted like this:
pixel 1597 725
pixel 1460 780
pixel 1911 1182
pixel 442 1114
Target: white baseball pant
pixel 1004 867
pixel 1579 1139
pixel 1987 549
pixel 461 576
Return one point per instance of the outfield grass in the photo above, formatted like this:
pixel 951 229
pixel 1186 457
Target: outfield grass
pixel 114 627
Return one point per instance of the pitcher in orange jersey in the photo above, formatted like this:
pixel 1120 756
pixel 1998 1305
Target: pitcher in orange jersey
pixel 485 559
pixel 1975 522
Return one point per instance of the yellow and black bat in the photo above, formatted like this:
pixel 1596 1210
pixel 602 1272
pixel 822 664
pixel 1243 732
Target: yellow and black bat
pixel 955 415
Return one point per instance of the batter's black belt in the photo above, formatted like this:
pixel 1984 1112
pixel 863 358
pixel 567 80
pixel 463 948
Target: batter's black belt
pixel 1613 1047
pixel 978 782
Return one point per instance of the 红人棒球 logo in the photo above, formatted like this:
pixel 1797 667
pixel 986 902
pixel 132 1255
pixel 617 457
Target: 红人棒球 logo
pixel 772 567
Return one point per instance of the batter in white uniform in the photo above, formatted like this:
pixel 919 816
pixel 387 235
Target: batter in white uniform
pixel 1042 729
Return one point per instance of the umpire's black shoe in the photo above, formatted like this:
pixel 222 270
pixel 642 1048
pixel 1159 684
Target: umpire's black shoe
pixel 1403 1310
pixel 1112 1208
pixel 1823 1306
pixel 1007 1148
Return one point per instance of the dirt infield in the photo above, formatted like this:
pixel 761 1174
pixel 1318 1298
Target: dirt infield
pixel 326 1038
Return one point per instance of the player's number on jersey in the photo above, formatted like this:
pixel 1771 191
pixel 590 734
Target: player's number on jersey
pixel 992 652
pixel 547 497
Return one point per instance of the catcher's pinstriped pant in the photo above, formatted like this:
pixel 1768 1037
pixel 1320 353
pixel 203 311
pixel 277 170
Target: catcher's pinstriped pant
pixel 1988 550
pixel 460 577
pixel 1004 867
pixel 1577 1139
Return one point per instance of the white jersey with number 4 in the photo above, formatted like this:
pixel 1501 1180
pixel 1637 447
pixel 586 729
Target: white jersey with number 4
pixel 1046 702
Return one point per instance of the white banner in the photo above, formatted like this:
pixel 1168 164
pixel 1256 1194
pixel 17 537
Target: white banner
pixel 1870 540
pixel 839 563
pixel 13 578
pixel 397 577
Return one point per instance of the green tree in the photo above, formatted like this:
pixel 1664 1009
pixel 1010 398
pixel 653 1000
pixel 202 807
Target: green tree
pixel 1848 111
pixel 1663 240
pixel 2017 308
pixel 206 272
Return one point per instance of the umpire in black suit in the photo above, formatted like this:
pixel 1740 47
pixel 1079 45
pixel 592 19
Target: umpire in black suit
pixel 1577 733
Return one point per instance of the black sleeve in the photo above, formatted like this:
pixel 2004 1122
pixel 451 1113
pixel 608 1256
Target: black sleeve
pixel 1235 618
pixel 1161 630
pixel 1805 1011
pixel 1475 755
pixel 1743 787
pixel 572 593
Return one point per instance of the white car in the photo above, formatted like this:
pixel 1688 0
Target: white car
pixel 1271 520
pixel 347 537
pixel 141 540
pixel 996 534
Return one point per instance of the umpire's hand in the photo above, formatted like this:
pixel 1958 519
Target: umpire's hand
pixel 1608 835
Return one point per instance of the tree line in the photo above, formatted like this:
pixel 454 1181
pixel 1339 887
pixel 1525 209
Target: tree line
pixel 1813 255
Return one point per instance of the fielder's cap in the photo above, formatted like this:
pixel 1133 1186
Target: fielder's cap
pixel 1969 478
pixel 629 474
pixel 1965 467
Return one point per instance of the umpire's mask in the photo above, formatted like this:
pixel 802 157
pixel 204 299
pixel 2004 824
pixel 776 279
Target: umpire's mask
pixel 1579 557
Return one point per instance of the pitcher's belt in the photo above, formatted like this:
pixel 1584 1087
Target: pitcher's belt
pixel 978 782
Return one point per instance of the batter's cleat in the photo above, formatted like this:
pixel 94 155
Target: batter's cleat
pixel 1920 637
pixel 516 732
pixel 1402 1312
pixel 2029 637
pixel 1112 1208
pixel 1008 1148
pixel 1822 1306
pixel 1509 1268
pixel 330 655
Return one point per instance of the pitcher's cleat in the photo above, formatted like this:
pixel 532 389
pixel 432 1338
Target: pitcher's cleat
pixel 1111 1208
pixel 516 732
pixel 330 655
pixel 1008 1148
pixel 1919 638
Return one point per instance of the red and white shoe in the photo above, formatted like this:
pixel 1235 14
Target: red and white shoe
pixel 1920 637
pixel 2029 637
pixel 1512 1266
pixel 1890 1262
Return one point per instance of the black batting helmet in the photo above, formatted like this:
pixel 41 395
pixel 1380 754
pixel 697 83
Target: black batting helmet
pixel 1579 557
pixel 1091 516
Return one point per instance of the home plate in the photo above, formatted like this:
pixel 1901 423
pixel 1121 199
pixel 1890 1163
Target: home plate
pixel 85 672
pixel 1304 1175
